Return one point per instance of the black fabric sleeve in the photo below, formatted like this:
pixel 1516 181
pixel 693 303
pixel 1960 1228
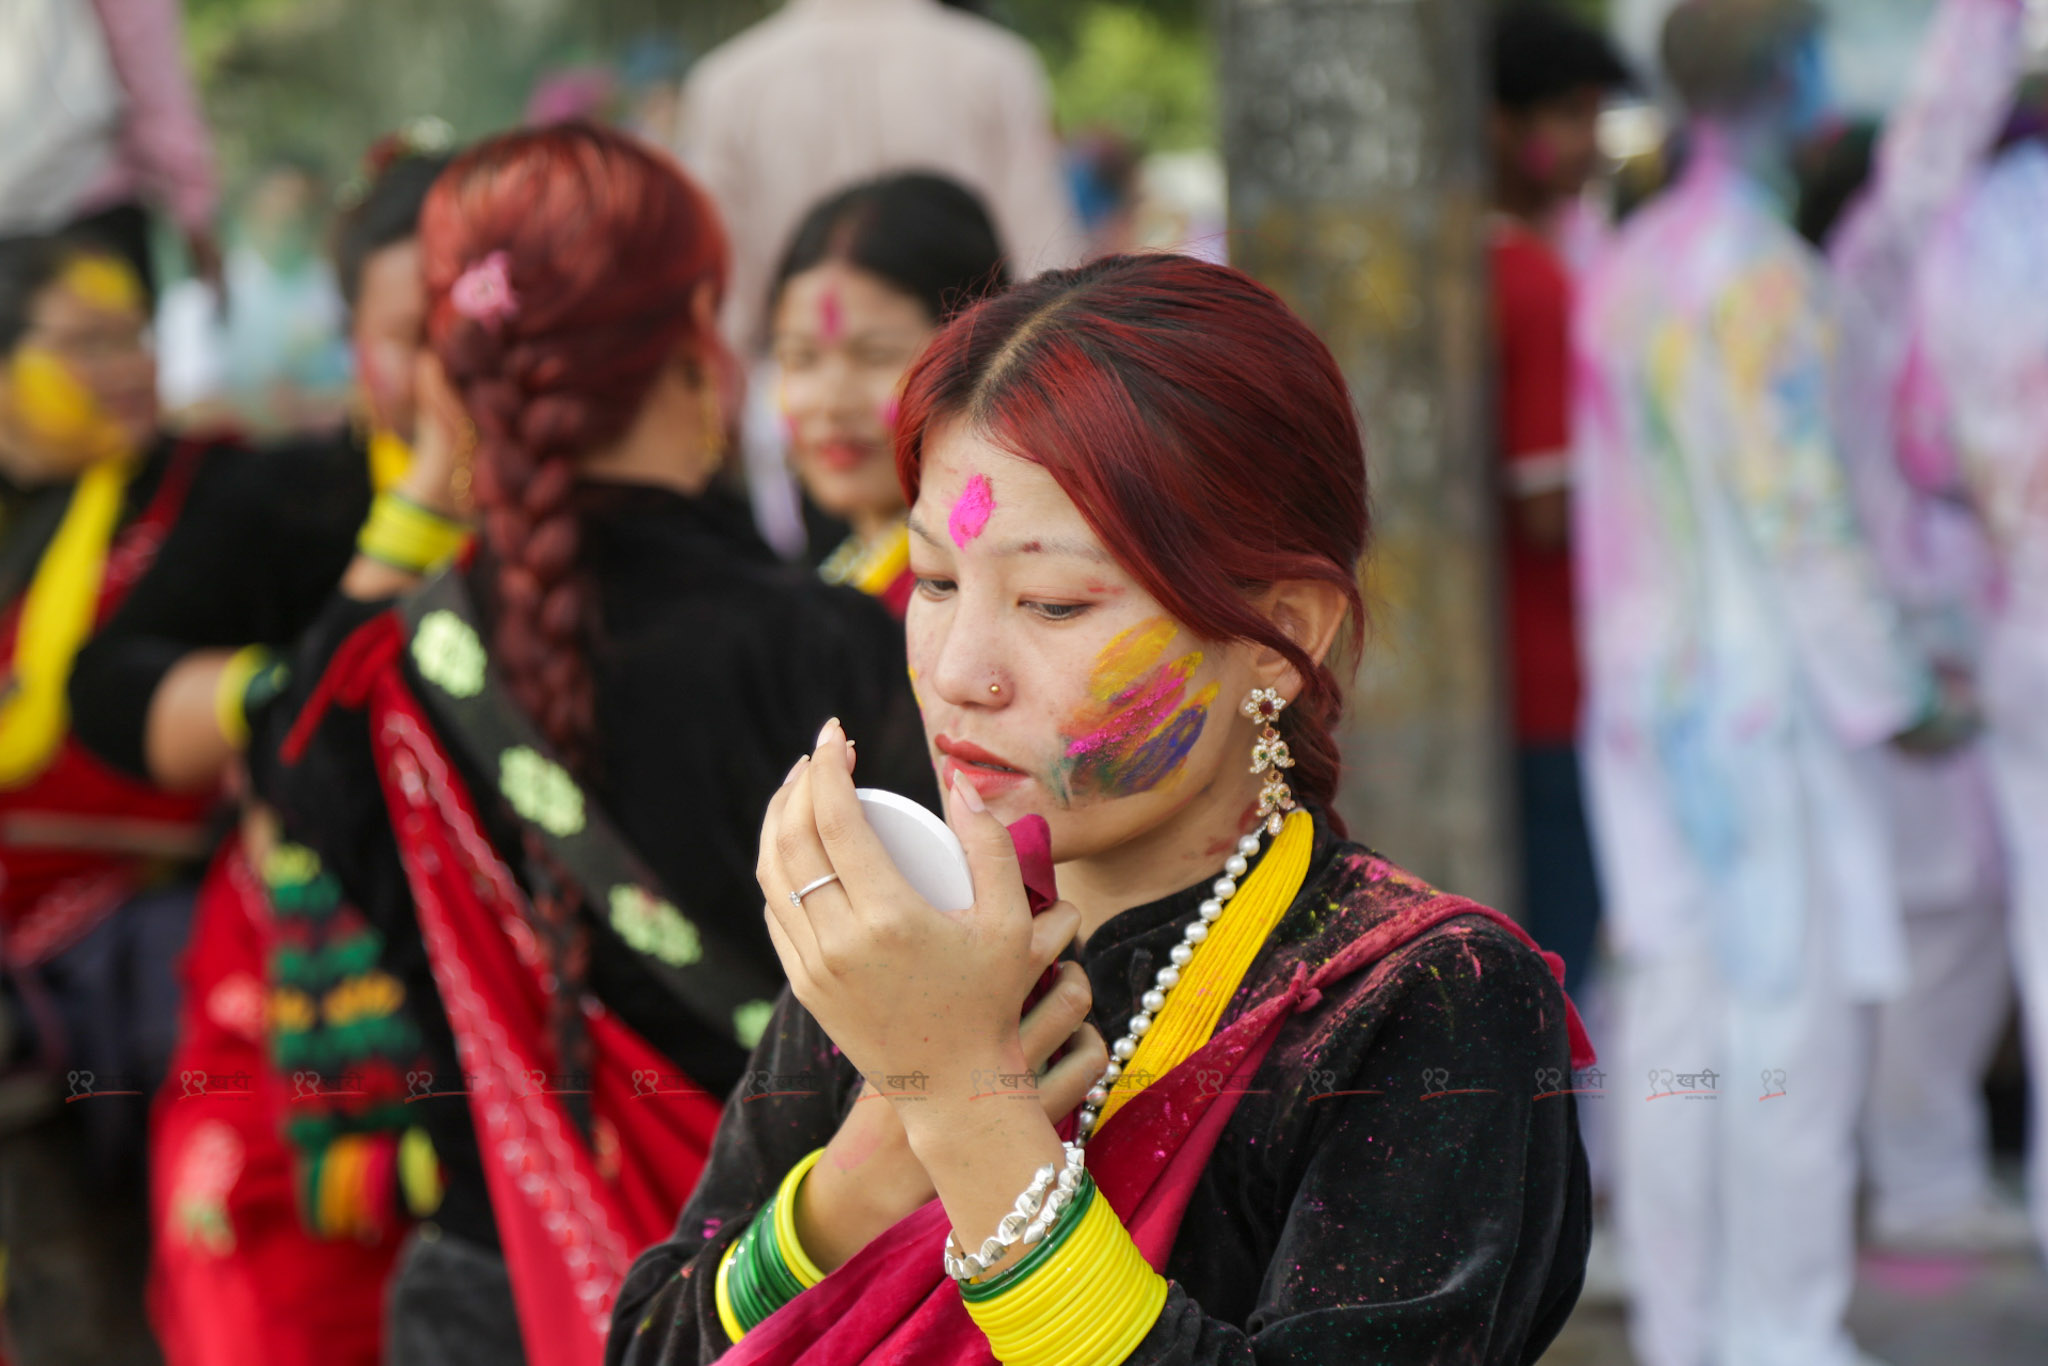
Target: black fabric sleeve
pixel 1434 1168
pixel 792 1100
pixel 262 539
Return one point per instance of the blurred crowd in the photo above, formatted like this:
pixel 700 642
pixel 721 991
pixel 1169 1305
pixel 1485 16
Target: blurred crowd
pixel 1771 419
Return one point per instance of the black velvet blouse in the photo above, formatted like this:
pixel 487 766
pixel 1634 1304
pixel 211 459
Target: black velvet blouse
pixel 1404 1182
pixel 714 666
pixel 259 544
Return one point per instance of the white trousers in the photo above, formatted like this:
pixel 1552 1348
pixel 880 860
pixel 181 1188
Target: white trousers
pixel 1736 1212
pixel 2021 777
pixel 1925 1132
pixel 2015 686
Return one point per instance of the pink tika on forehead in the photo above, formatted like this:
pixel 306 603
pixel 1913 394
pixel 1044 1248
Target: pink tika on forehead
pixel 971 510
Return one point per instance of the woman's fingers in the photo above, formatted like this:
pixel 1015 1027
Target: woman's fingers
pixel 783 916
pixel 991 854
pixel 1056 1015
pixel 1065 1084
pixel 803 858
pixel 872 882
pixel 1052 929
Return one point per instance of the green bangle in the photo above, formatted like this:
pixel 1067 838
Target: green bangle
pixel 747 1305
pixel 777 1283
pixel 761 1282
pixel 1040 1253
pixel 265 685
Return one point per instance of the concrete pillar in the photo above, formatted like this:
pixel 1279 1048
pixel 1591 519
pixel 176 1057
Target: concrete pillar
pixel 1352 132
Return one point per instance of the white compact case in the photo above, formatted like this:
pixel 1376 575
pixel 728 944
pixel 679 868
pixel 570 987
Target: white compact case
pixel 923 848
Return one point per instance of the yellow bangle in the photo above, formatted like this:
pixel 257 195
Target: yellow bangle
pixel 1092 1303
pixel 793 1254
pixel 230 690
pixel 722 1294
pixel 402 534
pixel 419 1173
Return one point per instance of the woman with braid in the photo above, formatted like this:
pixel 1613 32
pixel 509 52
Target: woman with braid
pixel 540 773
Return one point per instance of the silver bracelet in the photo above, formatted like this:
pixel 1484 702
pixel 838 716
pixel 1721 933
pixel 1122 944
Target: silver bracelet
pixel 1035 1214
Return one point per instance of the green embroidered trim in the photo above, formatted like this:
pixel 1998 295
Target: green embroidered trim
pixel 446 651
pixel 654 926
pixel 541 791
pixel 750 1021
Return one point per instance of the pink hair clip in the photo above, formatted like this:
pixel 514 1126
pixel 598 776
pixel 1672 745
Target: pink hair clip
pixel 484 291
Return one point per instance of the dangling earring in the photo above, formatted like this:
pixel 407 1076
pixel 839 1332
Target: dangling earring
pixel 462 483
pixel 1270 756
pixel 714 426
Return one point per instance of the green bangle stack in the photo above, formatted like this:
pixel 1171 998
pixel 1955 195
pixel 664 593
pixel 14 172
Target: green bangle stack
pixel 761 1281
pixel 1041 1252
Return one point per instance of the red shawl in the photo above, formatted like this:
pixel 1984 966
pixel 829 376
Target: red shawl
pixel 570 1219
pixel 892 1304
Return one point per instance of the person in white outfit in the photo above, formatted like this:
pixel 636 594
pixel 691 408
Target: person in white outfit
pixel 1926 1131
pixel 1981 413
pixel 1742 663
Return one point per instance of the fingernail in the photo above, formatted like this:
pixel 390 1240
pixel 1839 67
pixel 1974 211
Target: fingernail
pixel 969 795
pixel 795 769
pixel 849 756
pixel 825 731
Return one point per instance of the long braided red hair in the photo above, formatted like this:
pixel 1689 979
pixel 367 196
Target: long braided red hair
pixel 564 268
pixel 603 247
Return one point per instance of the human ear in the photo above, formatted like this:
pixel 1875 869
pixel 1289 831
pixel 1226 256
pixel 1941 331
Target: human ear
pixel 1310 613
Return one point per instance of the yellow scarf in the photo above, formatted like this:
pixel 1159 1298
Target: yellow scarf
pixel 870 568
pixel 58 610
pixel 1219 966
pixel 57 616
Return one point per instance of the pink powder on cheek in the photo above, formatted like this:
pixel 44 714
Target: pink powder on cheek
pixel 971 511
pixel 892 410
pixel 830 320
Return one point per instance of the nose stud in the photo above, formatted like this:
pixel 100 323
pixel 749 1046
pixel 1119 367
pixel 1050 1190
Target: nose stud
pixel 995 688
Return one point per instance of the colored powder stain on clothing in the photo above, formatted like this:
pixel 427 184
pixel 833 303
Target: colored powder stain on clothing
pixel 971 511
pixel 1141 724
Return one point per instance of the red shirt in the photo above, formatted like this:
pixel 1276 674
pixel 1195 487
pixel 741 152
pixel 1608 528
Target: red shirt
pixel 1532 306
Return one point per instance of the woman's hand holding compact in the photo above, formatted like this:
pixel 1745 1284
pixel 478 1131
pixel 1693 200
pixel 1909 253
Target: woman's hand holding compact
pixel 927 998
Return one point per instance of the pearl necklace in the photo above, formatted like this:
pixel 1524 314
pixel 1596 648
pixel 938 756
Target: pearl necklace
pixel 1166 979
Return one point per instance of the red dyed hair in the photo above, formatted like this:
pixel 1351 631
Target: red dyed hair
pixel 1202 430
pixel 606 246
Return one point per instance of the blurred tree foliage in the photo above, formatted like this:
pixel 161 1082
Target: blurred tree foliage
pixel 319 79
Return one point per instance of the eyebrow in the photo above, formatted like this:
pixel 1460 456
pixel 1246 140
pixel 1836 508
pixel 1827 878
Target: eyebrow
pixel 1080 550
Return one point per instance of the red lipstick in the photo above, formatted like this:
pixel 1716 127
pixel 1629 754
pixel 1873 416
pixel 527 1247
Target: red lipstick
pixel 989 772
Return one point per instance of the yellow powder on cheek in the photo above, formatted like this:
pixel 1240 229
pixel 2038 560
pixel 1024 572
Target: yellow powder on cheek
pixel 49 399
pixel 1129 656
pixel 104 283
pixel 53 408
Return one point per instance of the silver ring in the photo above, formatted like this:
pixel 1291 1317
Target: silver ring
pixel 796 898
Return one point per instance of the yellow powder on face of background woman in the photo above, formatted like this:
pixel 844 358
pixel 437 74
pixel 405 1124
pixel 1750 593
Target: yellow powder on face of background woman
pixel 104 283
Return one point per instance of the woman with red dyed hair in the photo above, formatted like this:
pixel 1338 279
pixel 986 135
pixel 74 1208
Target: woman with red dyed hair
pixel 539 773
pixel 1333 1123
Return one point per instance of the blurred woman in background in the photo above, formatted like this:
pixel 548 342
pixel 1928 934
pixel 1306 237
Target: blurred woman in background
pixel 538 774
pixel 95 866
pixel 868 278
pixel 275 1160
